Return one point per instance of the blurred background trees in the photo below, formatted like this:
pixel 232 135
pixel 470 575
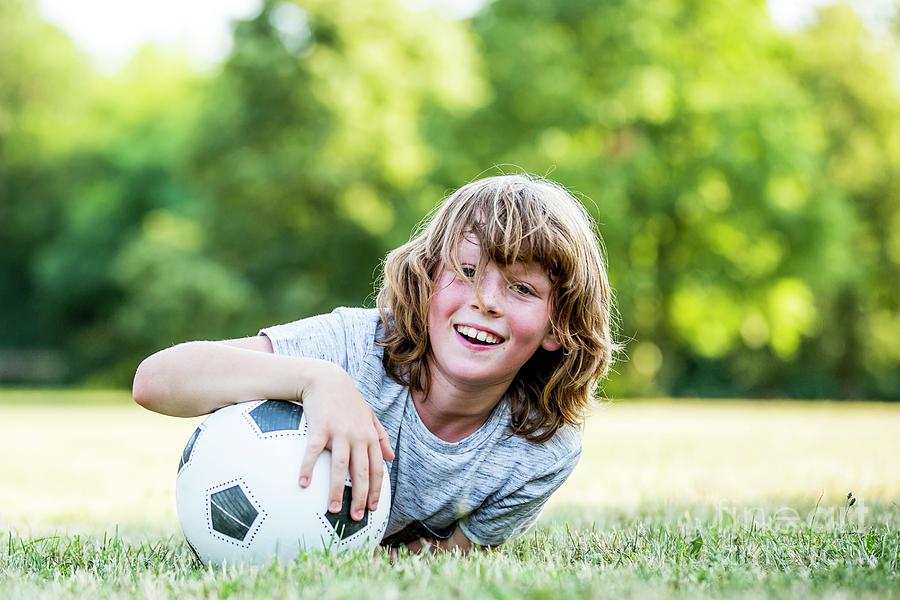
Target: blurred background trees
pixel 745 180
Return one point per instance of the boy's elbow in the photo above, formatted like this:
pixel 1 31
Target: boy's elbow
pixel 139 391
pixel 142 388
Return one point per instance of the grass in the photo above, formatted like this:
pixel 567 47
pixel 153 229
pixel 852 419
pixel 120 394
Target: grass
pixel 686 499
pixel 632 558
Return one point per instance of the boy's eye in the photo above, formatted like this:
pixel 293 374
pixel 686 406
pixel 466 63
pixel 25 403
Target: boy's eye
pixel 522 289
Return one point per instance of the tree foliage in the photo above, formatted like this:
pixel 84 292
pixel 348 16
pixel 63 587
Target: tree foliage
pixel 709 147
pixel 39 72
pixel 745 179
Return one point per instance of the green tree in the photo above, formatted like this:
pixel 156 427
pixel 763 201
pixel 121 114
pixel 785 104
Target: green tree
pixel 188 207
pixel 40 76
pixel 706 156
pixel 855 73
pixel 122 165
pixel 310 150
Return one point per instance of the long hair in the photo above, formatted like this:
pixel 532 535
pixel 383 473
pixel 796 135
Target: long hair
pixel 513 218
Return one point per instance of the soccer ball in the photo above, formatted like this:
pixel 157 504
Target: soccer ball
pixel 238 495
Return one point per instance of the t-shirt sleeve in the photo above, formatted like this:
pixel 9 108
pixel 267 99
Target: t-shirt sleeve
pixel 508 514
pixel 322 336
pixel 344 336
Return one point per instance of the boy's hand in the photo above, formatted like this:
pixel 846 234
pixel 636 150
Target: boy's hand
pixel 341 421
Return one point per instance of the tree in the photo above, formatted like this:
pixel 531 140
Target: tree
pixel 119 178
pixel 705 157
pixel 40 72
pixel 310 149
pixel 855 74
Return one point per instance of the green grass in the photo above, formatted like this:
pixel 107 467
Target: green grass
pixel 646 556
pixel 740 499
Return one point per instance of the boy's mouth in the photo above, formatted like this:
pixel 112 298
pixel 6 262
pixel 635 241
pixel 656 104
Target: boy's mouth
pixel 476 336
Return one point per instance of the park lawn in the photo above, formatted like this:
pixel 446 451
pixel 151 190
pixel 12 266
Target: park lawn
pixel 730 499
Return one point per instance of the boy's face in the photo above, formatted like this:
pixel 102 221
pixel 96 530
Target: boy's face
pixel 484 339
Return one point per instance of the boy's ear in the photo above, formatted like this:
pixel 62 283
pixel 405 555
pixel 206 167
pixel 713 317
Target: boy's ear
pixel 550 343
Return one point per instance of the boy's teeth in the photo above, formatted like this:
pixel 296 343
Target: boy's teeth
pixel 482 336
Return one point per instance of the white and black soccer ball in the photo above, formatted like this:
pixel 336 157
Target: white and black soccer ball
pixel 238 495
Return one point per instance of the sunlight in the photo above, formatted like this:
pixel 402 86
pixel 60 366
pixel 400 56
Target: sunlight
pixel 110 32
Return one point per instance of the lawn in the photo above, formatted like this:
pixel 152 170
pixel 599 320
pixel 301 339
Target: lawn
pixel 724 499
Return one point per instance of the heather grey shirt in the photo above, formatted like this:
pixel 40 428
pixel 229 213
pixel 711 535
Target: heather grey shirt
pixel 492 484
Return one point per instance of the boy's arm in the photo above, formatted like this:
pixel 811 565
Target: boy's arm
pixel 196 378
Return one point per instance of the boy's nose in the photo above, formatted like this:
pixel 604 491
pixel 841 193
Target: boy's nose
pixel 487 298
pixel 487 307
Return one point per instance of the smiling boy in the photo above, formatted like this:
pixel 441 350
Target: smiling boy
pixel 472 376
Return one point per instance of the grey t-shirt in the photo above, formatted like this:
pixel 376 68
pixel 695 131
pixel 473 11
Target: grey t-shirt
pixel 492 484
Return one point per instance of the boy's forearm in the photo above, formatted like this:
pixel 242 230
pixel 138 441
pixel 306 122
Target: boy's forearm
pixel 196 378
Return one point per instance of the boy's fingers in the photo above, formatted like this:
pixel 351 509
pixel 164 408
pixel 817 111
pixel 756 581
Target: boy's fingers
pixel 383 439
pixel 376 474
pixel 340 459
pixel 387 453
pixel 359 462
pixel 314 446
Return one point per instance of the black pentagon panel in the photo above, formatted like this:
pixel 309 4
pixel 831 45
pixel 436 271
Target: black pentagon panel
pixel 343 525
pixel 277 415
pixel 232 513
pixel 186 454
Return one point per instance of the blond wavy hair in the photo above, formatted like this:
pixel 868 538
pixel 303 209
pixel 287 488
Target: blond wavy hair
pixel 513 218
